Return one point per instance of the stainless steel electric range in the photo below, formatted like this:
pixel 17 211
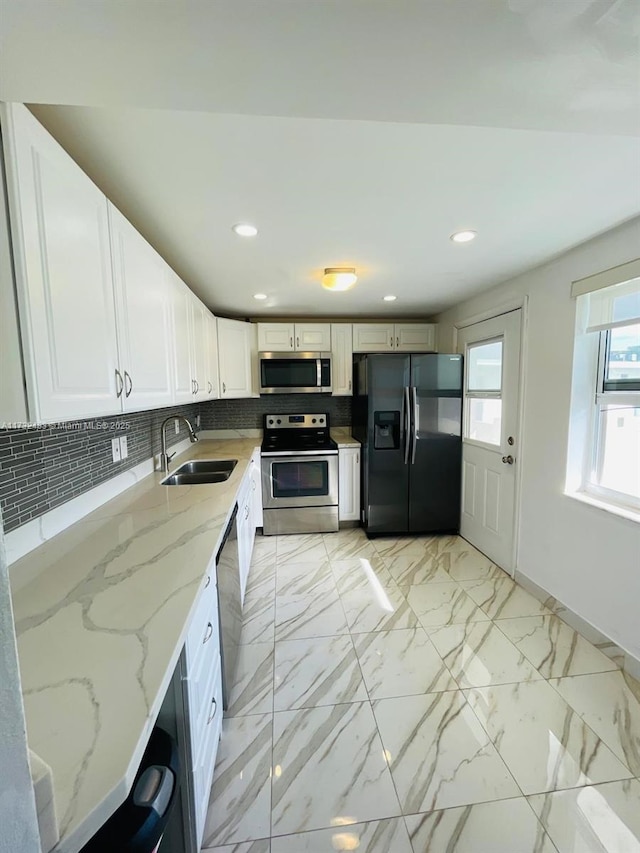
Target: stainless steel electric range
pixel 299 475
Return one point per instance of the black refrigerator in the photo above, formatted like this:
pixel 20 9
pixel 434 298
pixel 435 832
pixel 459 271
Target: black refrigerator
pixel 407 415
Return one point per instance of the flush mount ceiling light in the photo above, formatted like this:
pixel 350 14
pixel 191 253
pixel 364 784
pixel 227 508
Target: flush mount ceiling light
pixel 259 295
pixel 243 229
pixel 463 236
pixel 339 278
pixel 389 298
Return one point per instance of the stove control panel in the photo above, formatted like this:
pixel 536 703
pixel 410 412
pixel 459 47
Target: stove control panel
pixel 295 421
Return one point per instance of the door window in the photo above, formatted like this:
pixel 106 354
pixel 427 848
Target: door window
pixel 483 420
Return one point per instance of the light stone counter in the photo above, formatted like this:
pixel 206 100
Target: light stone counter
pixel 101 614
pixel 343 438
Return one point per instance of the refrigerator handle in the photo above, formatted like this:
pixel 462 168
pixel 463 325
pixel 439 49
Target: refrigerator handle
pixel 406 423
pixel 414 431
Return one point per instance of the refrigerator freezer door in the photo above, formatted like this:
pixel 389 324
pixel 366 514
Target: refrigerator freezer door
pixel 386 484
pixel 436 443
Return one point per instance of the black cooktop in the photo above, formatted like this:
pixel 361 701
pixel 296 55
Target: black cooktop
pixel 295 433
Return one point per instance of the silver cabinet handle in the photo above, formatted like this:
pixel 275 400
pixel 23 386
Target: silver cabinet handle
pixel 253 485
pixel 291 342
pixel 208 633
pixel 246 511
pixel 297 343
pixel 224 388
pixel 414 437
pixel 397 342
pixel 208 581
pixel 119 378
pixel 210 387
pixel 126 376
pixel 508 460
pixel 349 385
pixel 214 705
pixel 197 384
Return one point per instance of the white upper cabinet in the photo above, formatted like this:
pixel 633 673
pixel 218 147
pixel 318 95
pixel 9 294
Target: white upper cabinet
pixel 234 354
pixel 143 311
pixel 212 358
pixel 182 376
pixel 393 337
pixel 373 337
pixel 294 337
pixel 276 337
pixel 199 329
pixel 341 359
pixel 61 248
pixel 313 337
pixel 415 337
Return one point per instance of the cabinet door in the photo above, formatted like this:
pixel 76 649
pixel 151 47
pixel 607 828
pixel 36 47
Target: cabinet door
pixel 199 349
pixel 275 337
pixel 234 358
pixel 256 489
pixel 212 358
pixel 373 337
pixel 414 337
pixel 341 359
pixel 313 337
pixel 349 483
pixel 64 276
pixel 143 310
pixel 182 375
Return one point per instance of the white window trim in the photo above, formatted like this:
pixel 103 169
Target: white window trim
pixel 626 505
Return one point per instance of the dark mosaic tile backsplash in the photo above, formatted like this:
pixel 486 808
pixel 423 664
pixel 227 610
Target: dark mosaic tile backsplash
pixel 41 469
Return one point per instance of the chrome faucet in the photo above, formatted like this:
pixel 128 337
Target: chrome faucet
pixel 165 457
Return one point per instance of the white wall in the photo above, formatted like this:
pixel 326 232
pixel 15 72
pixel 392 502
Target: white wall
pixel 18 820
pixel 587 558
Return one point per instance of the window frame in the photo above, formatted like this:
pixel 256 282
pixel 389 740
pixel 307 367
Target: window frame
pixel 594 460
pixel 482 395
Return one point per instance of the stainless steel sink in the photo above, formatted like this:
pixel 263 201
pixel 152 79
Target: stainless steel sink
pixel 200 471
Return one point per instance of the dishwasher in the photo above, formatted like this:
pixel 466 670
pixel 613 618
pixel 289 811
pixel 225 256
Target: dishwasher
pixel 229 604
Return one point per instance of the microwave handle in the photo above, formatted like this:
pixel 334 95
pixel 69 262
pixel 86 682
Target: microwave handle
pixel 319 372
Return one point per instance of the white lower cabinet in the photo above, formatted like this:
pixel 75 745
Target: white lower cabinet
pixel 246 532
pixel 203 685
pixel 349 483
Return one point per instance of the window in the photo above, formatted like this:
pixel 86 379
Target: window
pixel 615 469
pixel 608 349
pixel 484 392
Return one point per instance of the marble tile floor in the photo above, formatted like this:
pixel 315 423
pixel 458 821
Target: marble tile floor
pixel 405 696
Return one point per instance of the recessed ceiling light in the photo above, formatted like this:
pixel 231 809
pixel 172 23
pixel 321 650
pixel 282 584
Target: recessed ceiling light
pixel 389 298
pixel 243 229
pixel 259 295
pixel 463 236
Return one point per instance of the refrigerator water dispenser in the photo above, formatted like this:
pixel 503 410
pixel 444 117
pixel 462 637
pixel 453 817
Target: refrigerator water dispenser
pixel 386 430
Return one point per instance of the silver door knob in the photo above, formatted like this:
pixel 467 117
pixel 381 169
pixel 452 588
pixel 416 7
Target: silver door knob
pixel 508 460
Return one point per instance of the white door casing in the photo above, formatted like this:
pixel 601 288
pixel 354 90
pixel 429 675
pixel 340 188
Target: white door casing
pixel 490 444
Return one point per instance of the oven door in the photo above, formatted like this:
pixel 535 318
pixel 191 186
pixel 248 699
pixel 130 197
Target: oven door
pixel 299 479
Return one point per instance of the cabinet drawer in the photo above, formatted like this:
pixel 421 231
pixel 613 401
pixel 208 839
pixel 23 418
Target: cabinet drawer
pixel 204 629
pixel 201 706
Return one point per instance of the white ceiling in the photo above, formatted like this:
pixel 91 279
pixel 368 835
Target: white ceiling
pixel 350 132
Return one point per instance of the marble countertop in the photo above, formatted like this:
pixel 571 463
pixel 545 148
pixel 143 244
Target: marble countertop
pixel 101 614
pixel 343 438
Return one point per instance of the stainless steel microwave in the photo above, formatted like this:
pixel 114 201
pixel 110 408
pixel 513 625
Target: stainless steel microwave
pixel 295 372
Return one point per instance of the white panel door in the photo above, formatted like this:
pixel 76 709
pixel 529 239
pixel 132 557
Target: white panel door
pixel 276 337
pixel 415 337
pixel 212 357
pixel 313 337
pixel 143 302
pixel 342 359
pixel 182 374
pixel 349 483
pixel 62 255
pixel 491 435
pixel 234 358
pixel 199 349
pixel 373 337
